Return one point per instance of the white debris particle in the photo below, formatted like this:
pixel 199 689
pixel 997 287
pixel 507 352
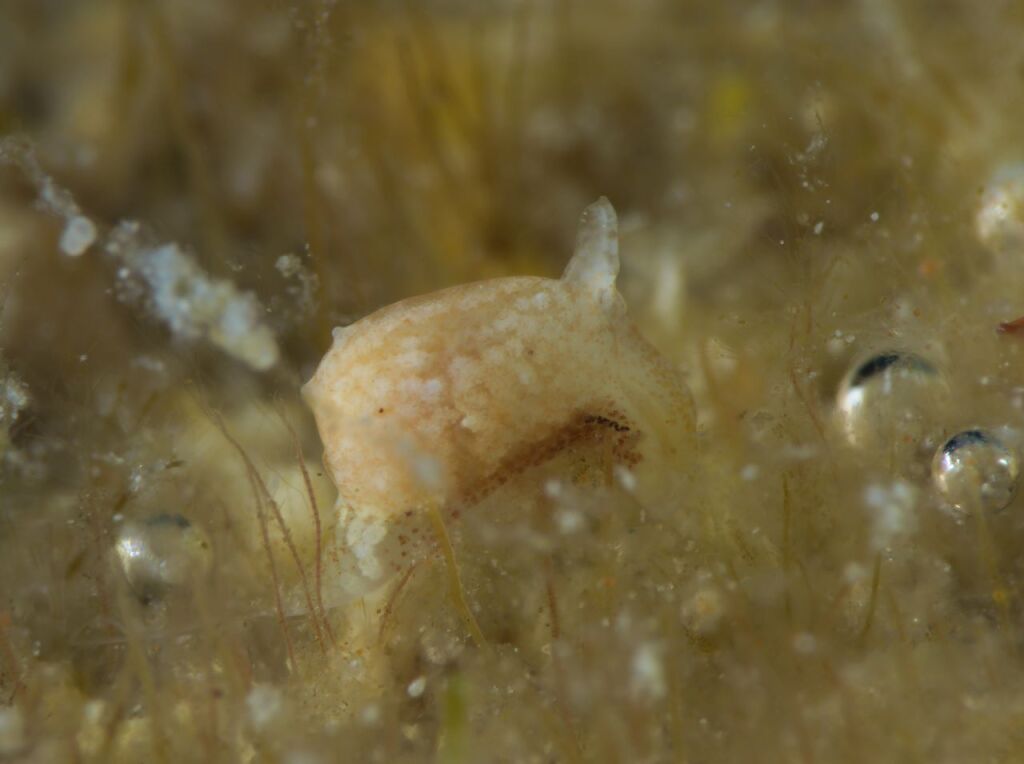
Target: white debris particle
pixel 553 489
pixel 79 234
pixel 417 686
pixel 92 711
pixel 892 508
pixel 264 703
pixel 51 197
pixel 150 364
pixel 191 303
pixel 569 521
pixel 79 231
pixel 288 265
pixel 750 472
pixel 303 288
pixel 648 676
pixel 854 572
pixel 14 399
pixel 874 217
pixel 370 714
pixel 819 227
pixel 817 144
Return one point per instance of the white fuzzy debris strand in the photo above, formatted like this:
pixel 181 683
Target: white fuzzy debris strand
pixel 191 303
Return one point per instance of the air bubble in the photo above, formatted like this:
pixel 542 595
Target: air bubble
pixel 999 222
pixel 891 402
pixel 161 554
pixel 974 470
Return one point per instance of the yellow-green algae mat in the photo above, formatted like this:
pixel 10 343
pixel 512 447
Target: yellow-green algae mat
pixel 751 496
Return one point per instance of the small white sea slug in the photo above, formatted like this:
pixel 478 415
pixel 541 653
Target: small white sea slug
pixel 442 400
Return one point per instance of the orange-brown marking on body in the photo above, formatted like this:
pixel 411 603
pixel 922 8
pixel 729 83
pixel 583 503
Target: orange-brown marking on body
pixel 582 428
pixel 1011 327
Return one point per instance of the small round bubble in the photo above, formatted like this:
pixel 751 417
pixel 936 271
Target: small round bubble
pixel 999 221
pixel 890 401
pixel 161 554
pixel 974 470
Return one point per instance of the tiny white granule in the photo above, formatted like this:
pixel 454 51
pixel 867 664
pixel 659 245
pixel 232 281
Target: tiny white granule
pixel 13 398
pixel 626 478
pixel 417 686
pixel 264 703
pixel 874 217
pixel 750 472
pixel 569 521
pixel 371 714
pixel 648 679
pixel 92 711
pixel 79 234
pixel 854 572
pixel 288 265
pixel 819 227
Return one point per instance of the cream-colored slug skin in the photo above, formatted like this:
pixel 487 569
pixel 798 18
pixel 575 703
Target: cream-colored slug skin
pixel 442 399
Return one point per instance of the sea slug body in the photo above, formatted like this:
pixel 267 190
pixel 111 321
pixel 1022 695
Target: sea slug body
pixel 441 400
